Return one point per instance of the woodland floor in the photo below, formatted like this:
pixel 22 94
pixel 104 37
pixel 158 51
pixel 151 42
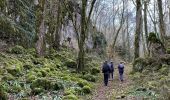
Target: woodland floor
pixel 116 89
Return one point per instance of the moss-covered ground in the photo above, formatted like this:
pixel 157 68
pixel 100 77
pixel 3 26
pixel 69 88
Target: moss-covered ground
pixel 24 76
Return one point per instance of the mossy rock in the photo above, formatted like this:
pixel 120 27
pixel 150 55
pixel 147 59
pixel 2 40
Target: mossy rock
pixel 41 83
pixel 28 66
pixel 56 86
pixel 139 64
pixel 70 97
pixel 86 90
pixel 47 84
pixel 38 61
pixel 17 50
pixel 36 91
pixel 82 83
pixel 95 71
pixel 70 63
pixel 89 77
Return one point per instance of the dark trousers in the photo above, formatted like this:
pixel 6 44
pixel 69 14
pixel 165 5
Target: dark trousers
pixel 106 76
pixel 121 76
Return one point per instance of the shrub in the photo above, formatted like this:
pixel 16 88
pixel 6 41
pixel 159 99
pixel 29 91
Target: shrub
pixel 95 71
pixel 82 83
pixel 57 86
pixel 86 90
pixel 89 77
pixel 17 50
pixel 139 64
pixel 70 63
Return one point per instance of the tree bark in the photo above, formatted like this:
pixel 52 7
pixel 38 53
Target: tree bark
pixel 82 37
pixel 40 27
pixel 138 28
pixel 161 21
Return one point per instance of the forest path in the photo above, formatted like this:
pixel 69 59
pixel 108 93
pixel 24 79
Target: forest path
pixel 116 89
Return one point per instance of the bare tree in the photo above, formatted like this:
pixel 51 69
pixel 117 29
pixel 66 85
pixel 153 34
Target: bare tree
pixel 138 27
pixel 161 20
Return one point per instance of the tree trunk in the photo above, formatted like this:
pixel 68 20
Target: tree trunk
pixel 138 28
pixel 40 27
pixel 82 37
pixel 161 21
pixel 146 22
pixel 58 26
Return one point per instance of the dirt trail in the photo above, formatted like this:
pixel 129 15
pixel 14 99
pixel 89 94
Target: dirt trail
pixel 115 89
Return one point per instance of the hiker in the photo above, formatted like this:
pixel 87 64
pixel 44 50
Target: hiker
pixel 121 70
pixel 105 71
pixel 111 70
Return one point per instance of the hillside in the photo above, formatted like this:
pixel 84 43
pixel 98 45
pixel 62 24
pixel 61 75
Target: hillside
pixel 23 76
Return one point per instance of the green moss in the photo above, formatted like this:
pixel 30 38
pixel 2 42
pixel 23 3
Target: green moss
pixel 70 97
pixel 28 66
pixel 139 64
pixel 8 77
pixel 153 38
pixel 70 63
pixel 14 66
pixel 36 91
pixel 69 91
pixel 38 61
pixel 86 90
pixel 57 85
pixel 17 50
pixel 95 71
pixel 32 51
pixel 44 73
pixel 30 78
pixel 47 84
pixel 89 77
pixel 82 83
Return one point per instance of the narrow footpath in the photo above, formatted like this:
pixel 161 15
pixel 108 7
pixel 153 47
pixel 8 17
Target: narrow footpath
pixel 116 89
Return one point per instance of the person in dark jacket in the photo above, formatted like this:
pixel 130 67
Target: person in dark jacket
pixel 111 70
pixel 105 71
pixel 121 70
